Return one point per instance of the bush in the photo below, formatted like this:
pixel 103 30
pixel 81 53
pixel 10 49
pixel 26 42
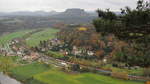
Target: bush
pixel 146 72
pixel 120 75
pixel 105 26
pixel 148 82
pixel 75 67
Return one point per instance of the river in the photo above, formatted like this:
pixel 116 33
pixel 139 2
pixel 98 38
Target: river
pixel 4 79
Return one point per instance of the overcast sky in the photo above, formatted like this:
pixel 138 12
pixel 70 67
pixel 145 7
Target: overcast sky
pixel 61 5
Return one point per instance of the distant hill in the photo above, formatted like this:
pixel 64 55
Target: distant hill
pixel 12 21
pixel 74 16
pixel 29 13
pixel 73 13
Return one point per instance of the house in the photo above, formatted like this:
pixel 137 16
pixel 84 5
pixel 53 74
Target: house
pixel 34 55
pixel 77 52
pixel 64 52
pixel 110 44
pixel 12 43
pixel 11 54
pixel 74 48
pixel 64 64
pixel 105 60
pixel 22 48
pixel 17 40
pixel 43 49
pixel 19 53
pixel 90 53
pixel 15 48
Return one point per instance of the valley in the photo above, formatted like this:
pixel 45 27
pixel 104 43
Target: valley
pixel 75 45
pixel 32 67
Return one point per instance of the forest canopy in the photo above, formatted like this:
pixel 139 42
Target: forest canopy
pixel 132 26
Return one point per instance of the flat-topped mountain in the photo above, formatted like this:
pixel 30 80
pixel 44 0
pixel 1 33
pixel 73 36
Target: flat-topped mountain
pixel 74 12
pixel 68 12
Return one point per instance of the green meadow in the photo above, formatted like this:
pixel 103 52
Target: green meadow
pixel 58 77
pixel 46 34
pixel 27 71
pixel 137 72
pixel 33 40
pixel 54 54
pixel 6 38
pixel 38 73
pixel 7 63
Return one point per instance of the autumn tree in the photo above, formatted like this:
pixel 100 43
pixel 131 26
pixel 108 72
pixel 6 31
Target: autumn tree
pixel 133 26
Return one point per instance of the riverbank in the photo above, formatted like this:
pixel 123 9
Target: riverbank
pixel 4 79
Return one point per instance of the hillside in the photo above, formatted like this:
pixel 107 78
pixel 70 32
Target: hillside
pixel 10 22
pixel 46 74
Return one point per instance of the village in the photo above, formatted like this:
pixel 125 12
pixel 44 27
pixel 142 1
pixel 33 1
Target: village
pixel 68 51
pixel 69 55
pixel 81 42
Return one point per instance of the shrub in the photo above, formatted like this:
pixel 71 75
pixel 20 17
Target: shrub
pixel 148 82
pixel 120 75
pixel 146 72
pixel 75 67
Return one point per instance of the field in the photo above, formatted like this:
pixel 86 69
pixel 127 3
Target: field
pixel 38 73
pixel 46 34
pixel 7 63
pixel 27 71
pixel 57 77
pixel 33 40
pixel 6 38
pixel 137 72
pixel 54 54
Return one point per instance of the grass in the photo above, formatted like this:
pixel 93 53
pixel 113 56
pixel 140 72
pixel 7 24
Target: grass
pixel 7 63
pixel 6 38
pixel 137 72
pixel 33 40
pixel 46 34
pixel 58 77
pixel 54 54
pixel 27 71
pixel 38 73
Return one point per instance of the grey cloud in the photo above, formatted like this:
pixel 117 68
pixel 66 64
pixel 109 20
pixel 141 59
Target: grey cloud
pixel 60 5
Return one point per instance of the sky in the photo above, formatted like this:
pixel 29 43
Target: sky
pixel 61 5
